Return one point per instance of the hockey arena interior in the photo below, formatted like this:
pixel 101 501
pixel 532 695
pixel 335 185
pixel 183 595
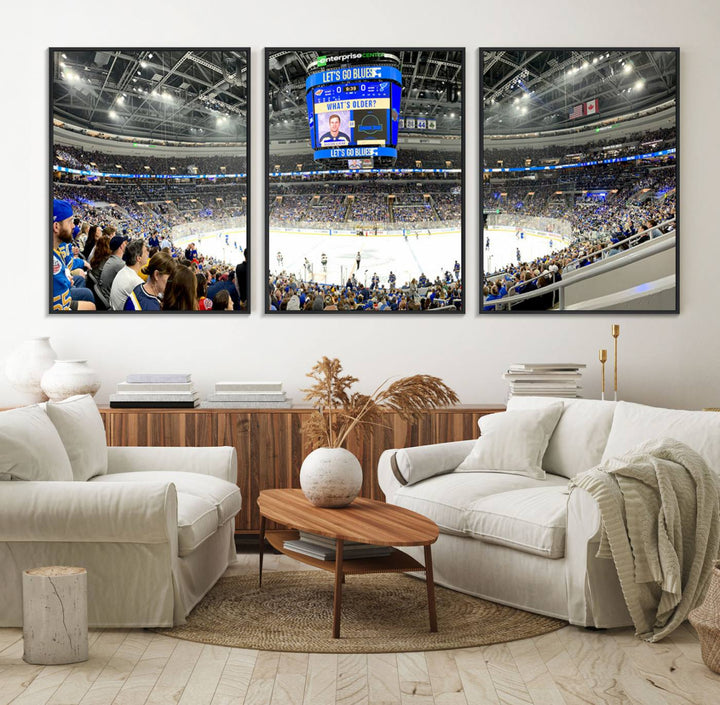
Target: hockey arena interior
pixel 368 217
pixel 579 180
pixel 149 180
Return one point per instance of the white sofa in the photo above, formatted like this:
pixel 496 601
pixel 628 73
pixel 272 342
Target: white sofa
pixel 154 527
pixel 529 542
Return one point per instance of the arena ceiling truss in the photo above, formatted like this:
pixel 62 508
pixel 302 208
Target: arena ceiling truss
pixel 196 96
pixel 536 90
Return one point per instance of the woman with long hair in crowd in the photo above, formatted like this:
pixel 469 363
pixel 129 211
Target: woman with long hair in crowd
pixel 148 296
pixel 204 304
pixel 100 254
pixel 181 291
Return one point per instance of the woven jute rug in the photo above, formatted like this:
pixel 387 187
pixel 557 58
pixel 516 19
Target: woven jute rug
pixel 380 613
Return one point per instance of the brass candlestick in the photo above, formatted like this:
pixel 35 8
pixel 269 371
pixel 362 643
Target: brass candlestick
pixel 615 330
pixel 603 360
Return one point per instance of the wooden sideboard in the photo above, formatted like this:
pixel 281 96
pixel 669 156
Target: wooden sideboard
pixel 270 443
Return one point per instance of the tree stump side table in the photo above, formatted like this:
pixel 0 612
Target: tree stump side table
pixel 55 624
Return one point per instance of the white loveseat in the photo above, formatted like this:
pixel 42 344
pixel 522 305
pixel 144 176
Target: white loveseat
pixel 154 527
pixel 529 542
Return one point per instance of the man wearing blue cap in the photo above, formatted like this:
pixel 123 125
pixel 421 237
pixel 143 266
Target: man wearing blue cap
pixel 62 281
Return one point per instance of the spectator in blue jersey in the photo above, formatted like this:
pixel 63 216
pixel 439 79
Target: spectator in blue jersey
pixel 334 136
pixel 456 269
pixel 191 252
pixel 154 240
pixel 148 296
pixel 229 285
pixel 62 279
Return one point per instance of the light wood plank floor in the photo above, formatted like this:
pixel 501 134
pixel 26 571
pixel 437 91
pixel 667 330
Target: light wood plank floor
pixel 567 667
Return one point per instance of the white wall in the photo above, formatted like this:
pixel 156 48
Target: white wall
pixel 664 359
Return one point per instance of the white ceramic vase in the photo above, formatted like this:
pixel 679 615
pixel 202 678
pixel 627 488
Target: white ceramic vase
pixel 26 366
pixel 331 477
pixel 66 378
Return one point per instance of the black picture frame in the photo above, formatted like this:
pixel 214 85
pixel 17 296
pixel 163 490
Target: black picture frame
pixel 173 95
pixel 286 70
pixel 590 77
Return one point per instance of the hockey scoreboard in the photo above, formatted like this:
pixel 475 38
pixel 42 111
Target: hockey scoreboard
pixel 353 106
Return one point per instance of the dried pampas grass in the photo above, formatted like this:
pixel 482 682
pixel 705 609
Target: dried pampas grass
pixel 338 411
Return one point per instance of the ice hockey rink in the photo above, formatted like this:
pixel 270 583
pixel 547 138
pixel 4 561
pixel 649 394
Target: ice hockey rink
pixel 504 243
pixel 406 255
pixel 224 245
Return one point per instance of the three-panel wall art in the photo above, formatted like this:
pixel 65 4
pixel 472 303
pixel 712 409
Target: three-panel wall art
pixel 572 208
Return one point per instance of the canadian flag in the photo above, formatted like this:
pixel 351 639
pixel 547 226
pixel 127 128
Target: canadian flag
pixel 592 107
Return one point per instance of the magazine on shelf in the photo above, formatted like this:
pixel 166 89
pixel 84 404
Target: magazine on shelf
pixel 326 540
pixel 326 553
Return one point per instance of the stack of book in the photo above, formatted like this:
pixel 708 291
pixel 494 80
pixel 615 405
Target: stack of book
pixel 155 391
pixel 544 379
pixel 323 548
pixel 247 395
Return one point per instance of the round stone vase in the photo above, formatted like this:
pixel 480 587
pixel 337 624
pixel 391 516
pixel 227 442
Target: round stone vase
pixel 331 477
pixel 66 378
pixel 26 366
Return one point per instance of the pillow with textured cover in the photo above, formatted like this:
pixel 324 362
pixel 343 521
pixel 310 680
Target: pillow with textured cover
pixel 513 442
pixel 80 427
pixel 30 447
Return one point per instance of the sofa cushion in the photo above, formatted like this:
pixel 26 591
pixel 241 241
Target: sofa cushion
pixel 532 520
pixel 580 437
pixel 223 495
pixel 513 442
pixel 634 424
pixel 30 447
pixel 446 499
pixel 421 462
pixel 81 429
pixel 197 521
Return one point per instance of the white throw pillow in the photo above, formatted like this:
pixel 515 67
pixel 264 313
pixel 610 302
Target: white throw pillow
pixel 30 447
pixel 80 426
pixel 636 423
pixel 579 439
pixel 513 442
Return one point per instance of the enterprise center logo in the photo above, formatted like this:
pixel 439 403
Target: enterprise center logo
pixel 324 60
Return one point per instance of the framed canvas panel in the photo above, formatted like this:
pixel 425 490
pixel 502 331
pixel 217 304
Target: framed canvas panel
pixel 365 180
pixel 149 195
pixel 579 180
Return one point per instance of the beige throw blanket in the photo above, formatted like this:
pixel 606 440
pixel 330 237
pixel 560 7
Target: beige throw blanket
pixel 659 508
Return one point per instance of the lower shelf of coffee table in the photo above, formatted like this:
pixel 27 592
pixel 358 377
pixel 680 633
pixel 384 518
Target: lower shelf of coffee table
pixel 396 562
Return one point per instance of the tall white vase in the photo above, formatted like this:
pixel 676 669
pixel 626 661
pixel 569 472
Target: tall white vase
pixel 331 477
pixel 26 366
pixel 66 378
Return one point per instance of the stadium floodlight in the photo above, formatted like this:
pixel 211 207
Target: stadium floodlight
pixel 627 67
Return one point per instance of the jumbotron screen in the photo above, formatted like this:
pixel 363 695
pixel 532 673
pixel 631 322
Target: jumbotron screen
pixel 353 110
